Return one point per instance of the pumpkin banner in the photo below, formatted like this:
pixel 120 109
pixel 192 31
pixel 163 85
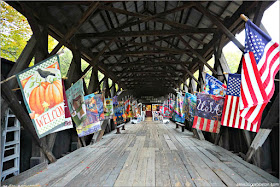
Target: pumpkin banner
pixel 76 103
pixel 42 92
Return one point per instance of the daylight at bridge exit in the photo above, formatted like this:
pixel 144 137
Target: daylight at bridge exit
pixel 139 93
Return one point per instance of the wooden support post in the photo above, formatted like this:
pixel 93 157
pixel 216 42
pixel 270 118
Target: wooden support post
pixel 74 72
pixel 262 135
pixel 257 142
pixel 94 83
pixel 22 63
pixel 113 89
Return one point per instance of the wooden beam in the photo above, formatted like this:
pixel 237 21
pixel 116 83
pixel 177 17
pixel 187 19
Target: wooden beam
pixel 142 17
pixel 22 63
pixel 110 34
pixel 270 119
pixel 199 56
pixel 86 15
pixel 257 142
pixel 220 25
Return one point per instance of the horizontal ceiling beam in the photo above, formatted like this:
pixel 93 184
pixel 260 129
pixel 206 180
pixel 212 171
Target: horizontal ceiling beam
pixel 174 32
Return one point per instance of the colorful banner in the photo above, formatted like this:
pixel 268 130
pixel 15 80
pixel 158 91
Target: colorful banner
pixel 108 110
pixel 166 112
pixel 100 106
pixel 42 92
pixel 68 120
pixel 76 103
pixel 209 106
pixel 179 115
pixel 214 86
pixel 134 108
pixel 208 112
pixel 91 124
pixel 191 106
pixel 119 113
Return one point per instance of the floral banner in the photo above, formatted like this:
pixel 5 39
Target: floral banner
pixel 108 110
pixel 42 92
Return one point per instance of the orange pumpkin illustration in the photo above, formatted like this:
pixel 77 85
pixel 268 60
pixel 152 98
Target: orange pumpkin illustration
pixel 54 94
pixel 36 99
pixel 51 93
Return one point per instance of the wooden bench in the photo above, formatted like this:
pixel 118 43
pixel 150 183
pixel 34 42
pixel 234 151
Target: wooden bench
pixel 180 124
pixel 118 128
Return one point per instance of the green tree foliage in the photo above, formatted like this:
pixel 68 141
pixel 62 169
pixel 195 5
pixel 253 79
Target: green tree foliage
pixel 14 32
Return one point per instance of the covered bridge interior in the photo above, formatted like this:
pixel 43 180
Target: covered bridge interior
pixel 147 48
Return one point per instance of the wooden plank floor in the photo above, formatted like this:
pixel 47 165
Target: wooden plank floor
pixel 150 154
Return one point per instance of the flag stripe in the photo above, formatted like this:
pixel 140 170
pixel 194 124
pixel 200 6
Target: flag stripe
pixel 206 124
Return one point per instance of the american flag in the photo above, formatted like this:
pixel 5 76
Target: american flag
pixel 231 114
pixel 207 125
pixel 259 66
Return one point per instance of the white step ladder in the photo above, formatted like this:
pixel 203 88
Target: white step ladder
pixel 10 145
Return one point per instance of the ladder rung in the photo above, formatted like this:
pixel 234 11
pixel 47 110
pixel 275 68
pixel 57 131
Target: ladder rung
pixel 9 171
pixel 9 148
pixel 11 129
pixel 11 157
pixel 11 116
pixel 11 143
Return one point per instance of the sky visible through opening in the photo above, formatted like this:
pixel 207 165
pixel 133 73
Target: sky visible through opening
pixel 270 21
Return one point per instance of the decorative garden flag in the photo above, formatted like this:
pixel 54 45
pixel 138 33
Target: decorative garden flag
pixel 100 106
pixel 190 101
pixel 119 113
pixel 179 114
pixel 260 65
pixel 208 112
pixel 42 92
pixel 166 112
pixel 68 121
pixel 76 103
pixel 134 108
pixel 231 114
pixel 214 86
pixel 108 110
pixel 91 124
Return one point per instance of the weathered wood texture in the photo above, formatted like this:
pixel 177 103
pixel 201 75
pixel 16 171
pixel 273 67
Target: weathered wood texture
pixel 150 154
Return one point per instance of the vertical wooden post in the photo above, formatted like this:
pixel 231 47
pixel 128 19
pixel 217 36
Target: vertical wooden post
pixel 94 83
pixel 37 155
pixel 113 90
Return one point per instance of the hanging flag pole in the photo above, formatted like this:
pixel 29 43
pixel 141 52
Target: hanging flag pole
pixel 245 18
